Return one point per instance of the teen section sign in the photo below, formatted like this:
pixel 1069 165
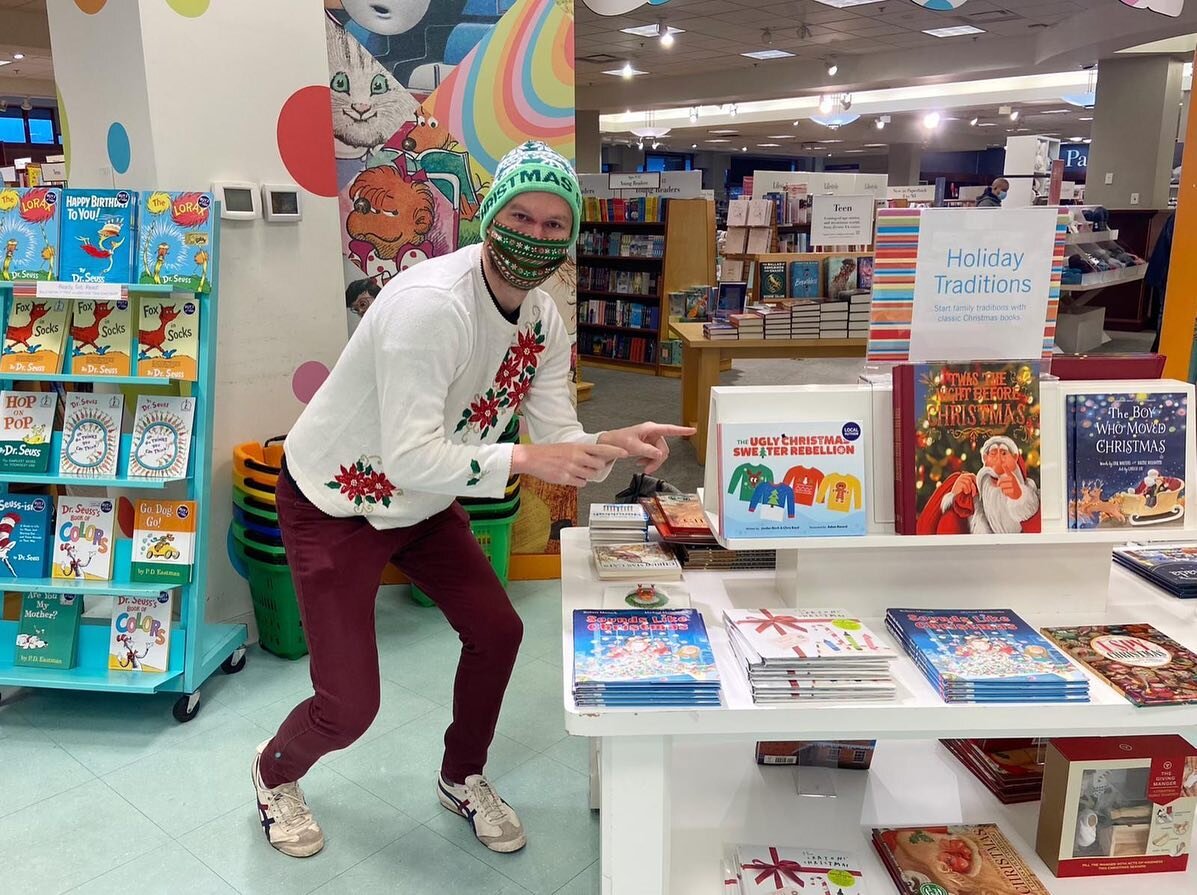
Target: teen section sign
pixel 982 285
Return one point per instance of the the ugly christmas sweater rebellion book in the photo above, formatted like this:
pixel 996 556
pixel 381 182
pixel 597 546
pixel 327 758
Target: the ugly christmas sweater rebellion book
pixel 966 448
pixel 1126 459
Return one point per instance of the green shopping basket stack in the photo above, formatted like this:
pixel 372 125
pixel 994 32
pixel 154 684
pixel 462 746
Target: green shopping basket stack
pixel 258 542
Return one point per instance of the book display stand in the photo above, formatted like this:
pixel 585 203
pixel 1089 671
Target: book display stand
pixel 197 647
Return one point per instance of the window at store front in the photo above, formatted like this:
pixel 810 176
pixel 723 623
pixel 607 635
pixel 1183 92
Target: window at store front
pixel 38 126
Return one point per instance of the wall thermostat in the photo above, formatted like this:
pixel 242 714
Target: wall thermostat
pixel 238 199
pixel 281 202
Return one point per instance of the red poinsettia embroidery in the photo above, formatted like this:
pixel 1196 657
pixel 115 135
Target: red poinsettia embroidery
pixel 484 410
pixel 512 382
pixel 509 371
pixel 529 346
pixel 363 485
pixel 517 393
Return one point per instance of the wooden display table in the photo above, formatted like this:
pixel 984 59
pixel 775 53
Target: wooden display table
pixel 700 367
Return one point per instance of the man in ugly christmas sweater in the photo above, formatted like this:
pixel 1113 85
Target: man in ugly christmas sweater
pixel 408 420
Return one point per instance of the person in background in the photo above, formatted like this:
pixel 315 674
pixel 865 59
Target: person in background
pixel 1157 275
pixel 994 194
pixel 359 295
pixel 408 420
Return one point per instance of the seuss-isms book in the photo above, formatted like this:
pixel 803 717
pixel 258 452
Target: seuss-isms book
pixel 1143 664
pixel 48 633
pixel 966 448
pixel 168 338
pixel 24 536
pixel 84 538
pixel 29 233
pixel 91 434
pixel 809 479
pixel 26 428
pixel 35 336
pixel 98 234
pixel 102 338
pixel 140 634
pixel 1126 459
pixel 161 443
pixel 163 540
pixel 174 243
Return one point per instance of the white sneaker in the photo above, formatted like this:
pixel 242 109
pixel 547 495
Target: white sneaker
pixel 495 823
pixel 286 818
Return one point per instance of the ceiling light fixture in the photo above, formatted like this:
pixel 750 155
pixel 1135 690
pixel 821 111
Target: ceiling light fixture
pixel 1085 118
pixel 743 148
pixel 826 105
pixel 931 120
pixel 844 4
pixel 650 130
pixel 1014 115
pixel 833 69
pixel 656 145
pixel 655 30
pixel 693 145
pixel 1075 139
pixel 768 145
pixel 1087 141
pixel 5 62
pixel 882 121
pixel 628 71
pixel 26 105
pixel 694 115
pixel 733 110
pixel 973 122
pixel 767 54
pixel 954 31
pixel 18 56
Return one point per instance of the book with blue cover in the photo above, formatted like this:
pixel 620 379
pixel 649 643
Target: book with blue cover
pixel 804 279
pixel 986 655
pixel 174 243
pixel 1126 462
pixel 1171 566
pixel 24 536
pixel 99 231
pixel 643 657
pixel 792 479
pixel 29 233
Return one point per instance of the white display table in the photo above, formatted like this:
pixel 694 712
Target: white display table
pixel 679 783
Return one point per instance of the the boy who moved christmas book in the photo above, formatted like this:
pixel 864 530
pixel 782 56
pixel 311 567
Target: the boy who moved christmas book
pixel 140 634
pixel 966 448
pixel 1126 462
pixel 174 243
pixel 98 234
pixel 29 233
pixel 798 479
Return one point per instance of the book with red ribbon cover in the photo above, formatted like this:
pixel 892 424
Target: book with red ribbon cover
pixel 778 870
pixel 955 860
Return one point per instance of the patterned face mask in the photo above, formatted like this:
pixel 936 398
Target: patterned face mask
pixel 522 260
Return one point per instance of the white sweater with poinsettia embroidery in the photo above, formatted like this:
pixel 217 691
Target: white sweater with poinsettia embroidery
pixel 408 419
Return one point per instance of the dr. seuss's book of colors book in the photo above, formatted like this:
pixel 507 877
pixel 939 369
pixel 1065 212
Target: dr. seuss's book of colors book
pixel 29 223
pixel 140 634
pixel 796 479
pixel 98 234
pixel 84 538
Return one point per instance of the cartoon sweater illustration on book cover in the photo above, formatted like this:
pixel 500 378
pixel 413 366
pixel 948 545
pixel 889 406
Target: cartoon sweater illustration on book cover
pixel 1126 459
pixel 821 494
pixel 29 233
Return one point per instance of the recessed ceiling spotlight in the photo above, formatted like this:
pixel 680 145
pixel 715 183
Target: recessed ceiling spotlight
pixel 1088 118
pixel 973 122
pixel 931 120
pixel 833 68
pixel 743 148
pixel 694 116
pixel 628 71
pixel 18 56
pixel 1014 115
pixel 666 37
pixel 826 104
pixel 1075 139
pixel 954 31
pixel 733 110
pixel 693 145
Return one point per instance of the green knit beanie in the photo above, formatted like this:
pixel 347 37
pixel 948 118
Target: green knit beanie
pixel 533 167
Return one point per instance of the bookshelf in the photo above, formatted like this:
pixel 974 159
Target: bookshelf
pixel 687 259
pixel 197 647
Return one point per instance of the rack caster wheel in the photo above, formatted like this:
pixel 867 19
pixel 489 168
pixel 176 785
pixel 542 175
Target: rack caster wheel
pixel 234 662
pixel 186 707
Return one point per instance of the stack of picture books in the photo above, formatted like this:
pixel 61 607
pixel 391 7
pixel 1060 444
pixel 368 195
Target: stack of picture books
pixel 779 870
pixel 797 655
pixel 1170 566
pixel 643 657
pixel 986 655
pixel 679 518
pixel 955 860
pixel 644 561
pixel 618 523
pixel 698 557
pixel 1011 769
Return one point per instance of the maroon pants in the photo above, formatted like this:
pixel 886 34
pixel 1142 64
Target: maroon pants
pixel 336 565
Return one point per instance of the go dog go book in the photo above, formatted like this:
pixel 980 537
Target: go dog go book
pixel 163 541
pixel 174 242
pixel 84 538
pixel 98 234
pixel 161 442
pixel 91 433
pixel 24 535
pixel 140 633
pixel 26 426
pixel 168 338
pixel 35 336
pixel 102 338
pixel 792 480
pixel 29 233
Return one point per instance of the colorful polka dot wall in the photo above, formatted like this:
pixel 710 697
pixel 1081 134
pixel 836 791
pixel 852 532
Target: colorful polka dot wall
pixel 190 8
pixel 91 7
pixel 307 379
pixel 305 115
pixel 120 152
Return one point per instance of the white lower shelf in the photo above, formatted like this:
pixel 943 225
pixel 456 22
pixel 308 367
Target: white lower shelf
pixel 918 712
pixel 721 797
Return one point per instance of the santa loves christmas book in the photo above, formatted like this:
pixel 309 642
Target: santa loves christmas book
pixel 966 448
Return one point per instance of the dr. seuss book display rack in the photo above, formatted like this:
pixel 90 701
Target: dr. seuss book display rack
pixel 197 647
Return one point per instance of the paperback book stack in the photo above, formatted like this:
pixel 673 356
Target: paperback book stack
pixel 986 655
pixel 1011 769
pixel 695 557
pixel 635 657
pixel 618 523
pixel 1170 566
pixel 777 321
pixel 860 308
pixel 799 655
pixel 718 331
pixel 833 318
pixel 748 326
pixel 804 319
pixel 681 522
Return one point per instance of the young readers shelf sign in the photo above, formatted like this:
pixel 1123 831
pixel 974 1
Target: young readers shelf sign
pixel 956 284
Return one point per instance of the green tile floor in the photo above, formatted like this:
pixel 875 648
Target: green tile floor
pixel 104 793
